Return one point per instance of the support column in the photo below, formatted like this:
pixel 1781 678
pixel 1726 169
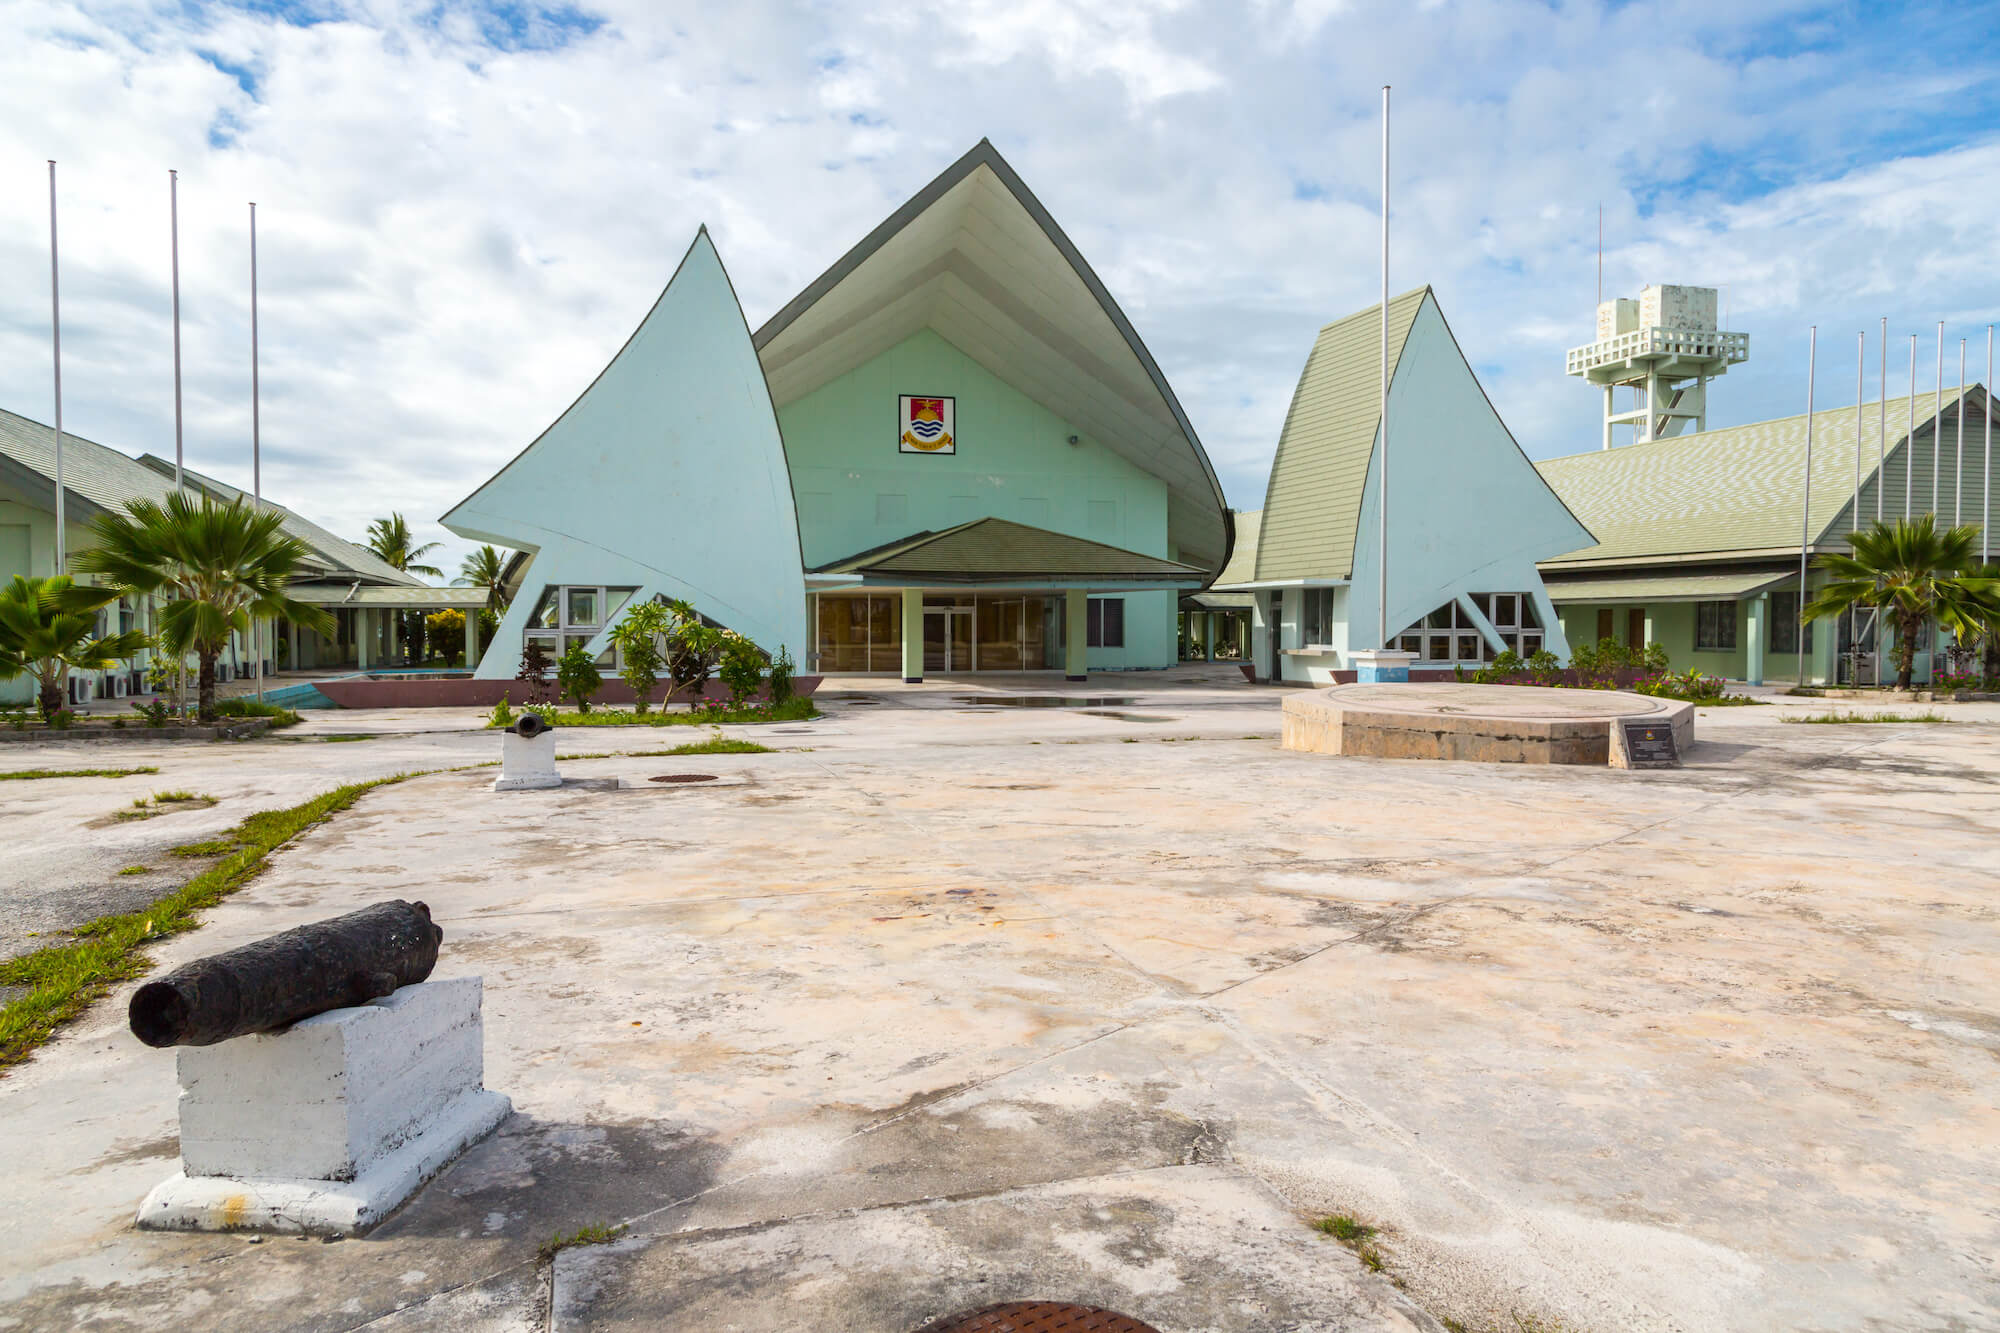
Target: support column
pixel 471 638
pixel 1076 634
pixel 1754 629
pixel 1820 661
pixel 392 652
pixel 1208 639
pixel 1610 406
pixel 362 630
pixel 913 636
pixel 292 646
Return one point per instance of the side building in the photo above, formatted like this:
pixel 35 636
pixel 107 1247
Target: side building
pixel 1699 536
pixel 347 578
pixel 950 453
pixel 1468 516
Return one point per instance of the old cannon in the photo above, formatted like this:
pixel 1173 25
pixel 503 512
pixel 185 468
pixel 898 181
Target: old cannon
pixel 333 964
pixel 531 725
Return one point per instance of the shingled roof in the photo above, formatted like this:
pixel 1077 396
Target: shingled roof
pixel 994 550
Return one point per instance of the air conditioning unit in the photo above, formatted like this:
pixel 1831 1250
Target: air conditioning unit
pixel 121 686
pixel 222 673
pixel 79 689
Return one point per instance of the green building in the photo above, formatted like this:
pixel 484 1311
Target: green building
pixel 1699 535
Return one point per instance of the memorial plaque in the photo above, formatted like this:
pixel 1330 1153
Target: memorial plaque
pixel 1650 745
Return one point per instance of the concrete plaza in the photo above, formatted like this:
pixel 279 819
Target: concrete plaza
pixel 944 1004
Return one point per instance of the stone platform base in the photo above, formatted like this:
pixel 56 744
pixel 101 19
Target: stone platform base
pixel 325 1207
pixel 327 1126
pixel 1495 724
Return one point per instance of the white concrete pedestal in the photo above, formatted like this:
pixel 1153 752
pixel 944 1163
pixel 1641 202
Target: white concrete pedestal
pixel 527 762
pixel 327 1127
pixel 1380 666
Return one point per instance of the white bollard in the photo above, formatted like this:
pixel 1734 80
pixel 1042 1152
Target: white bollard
pixel 528 756
pixel 327 1127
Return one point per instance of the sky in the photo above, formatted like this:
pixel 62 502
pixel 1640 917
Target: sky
pixel 464 208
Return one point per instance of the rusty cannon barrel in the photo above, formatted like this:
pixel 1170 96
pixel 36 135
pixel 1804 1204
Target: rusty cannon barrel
pixel 531 725
pixel 332 964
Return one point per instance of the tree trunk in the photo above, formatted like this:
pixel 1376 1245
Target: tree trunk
pixel 49 698
pixel 1906 650
pixel 205 696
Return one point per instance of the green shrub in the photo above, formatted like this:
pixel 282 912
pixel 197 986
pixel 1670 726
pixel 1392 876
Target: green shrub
pixel 781 677
pixel 638 638
pixel 742 669
pixel 241 707
pixel 502 715
pixel 577 676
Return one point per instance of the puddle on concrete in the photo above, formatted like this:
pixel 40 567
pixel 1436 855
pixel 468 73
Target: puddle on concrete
pixel 1047 700
pixel 1128 717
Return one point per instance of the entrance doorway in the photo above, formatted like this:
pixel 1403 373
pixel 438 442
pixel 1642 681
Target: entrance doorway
pixel 947 639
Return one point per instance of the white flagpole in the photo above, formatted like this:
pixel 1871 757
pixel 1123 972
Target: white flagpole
pixel 1805 523
pixel 174 233
pixel 1958 464
pixel 55 335
pixel 1882 425
pixel 1937 419
pixel 256 450
pixel 1910 441
pixel 1854 514
pixel 1382 533
pixel 1986 485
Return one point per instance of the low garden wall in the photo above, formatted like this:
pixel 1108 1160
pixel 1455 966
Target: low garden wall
pixel 466 692
pixel 237 729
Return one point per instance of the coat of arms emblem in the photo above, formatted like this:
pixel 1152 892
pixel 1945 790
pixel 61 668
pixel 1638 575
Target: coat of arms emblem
pixel 928 425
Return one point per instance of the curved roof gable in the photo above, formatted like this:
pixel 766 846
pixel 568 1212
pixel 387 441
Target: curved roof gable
pixel 977 259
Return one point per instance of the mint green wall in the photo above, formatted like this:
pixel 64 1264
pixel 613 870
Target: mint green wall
pixel 855 490
pixel 1673 627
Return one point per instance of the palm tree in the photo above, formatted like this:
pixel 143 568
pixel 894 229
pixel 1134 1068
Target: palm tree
pixel 49 626
pixel 219 566
pixel 485 568
pixel 390 539
pixel 1912 573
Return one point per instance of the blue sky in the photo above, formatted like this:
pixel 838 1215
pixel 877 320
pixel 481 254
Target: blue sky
pixel 465 208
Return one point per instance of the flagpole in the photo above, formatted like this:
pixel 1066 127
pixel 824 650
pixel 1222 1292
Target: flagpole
pixel 174 234
pixel 1854 514
pixel 1805 523
pixel 1910 441
pixel 256 449
pixel 1882 425
pixel 1937 419
pixel 1986 485
pixel 1958 463
pixel 55 337
pixel 1382 515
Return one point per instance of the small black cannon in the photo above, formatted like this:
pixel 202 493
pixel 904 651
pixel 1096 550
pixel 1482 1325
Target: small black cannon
pixel 333 964
pixel 531 725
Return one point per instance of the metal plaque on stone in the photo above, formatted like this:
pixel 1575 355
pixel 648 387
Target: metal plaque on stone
pixel 1650 744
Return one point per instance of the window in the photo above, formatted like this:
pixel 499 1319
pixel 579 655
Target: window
pixel 1448 634
pixel 1318 612
pixel 1715 627
pixel 1784 637
pixel 581 607
pixel 1106 623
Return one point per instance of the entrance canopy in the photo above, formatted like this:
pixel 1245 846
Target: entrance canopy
pixel 975 258
pixel 998 553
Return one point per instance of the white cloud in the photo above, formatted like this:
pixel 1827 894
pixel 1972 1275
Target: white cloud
pixel 461 217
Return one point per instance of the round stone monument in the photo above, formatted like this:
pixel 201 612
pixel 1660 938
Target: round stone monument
pixel 1493 724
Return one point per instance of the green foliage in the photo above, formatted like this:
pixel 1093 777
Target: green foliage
pixel 1912 573
pixel 245 706
pixel 157 712
pixel 1690 685
pixel 48 627
pixel 692 650
pixel 1345 1229
pixel 1544 667
pixel 389 538
pixel 484 568
pixel 780 678
pixel 596 1234
pixel 219 566
pixel 133 870
pixel 34 774
pixel 742 669
pixel 63 980
pixel 796 709
pixel 1502 669
pixel 639 636
pixel 718 744
pixel 502 715
pixel 1843 718
pixel 444 631
pixel 577 676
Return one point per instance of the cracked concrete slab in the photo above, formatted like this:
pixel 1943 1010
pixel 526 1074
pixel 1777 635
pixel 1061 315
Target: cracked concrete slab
pixel 1702 1049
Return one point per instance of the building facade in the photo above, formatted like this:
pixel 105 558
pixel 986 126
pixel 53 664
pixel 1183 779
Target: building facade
pixel 951 453
pixel 1699 535
pixel 1468 515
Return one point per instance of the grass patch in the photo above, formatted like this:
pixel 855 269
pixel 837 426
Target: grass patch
pixel 133 870
pixel 215 847
pixel 280 717
pixel 1837 718
pixel 1730 701
pixel 65 979
pixel 795 709
pixel 33 774
pixel 180 797
pixel 1357 1236
pixel 597 1233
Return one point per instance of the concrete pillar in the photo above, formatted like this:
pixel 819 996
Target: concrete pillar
pixel 1825 649
pixel 1076 634
pixel 1210 619
pixel 913 636
pixel 362 630
pixel 1755 621
pixel 392 652
pixel 471 637
pixel 292 646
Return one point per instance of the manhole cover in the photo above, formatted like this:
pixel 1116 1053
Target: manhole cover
pixel 1037 1317
pixel 683 777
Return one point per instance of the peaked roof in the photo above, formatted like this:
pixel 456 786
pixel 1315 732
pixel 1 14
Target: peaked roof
pixel 1312 503
pixel 1742 488
pixel 995 549
pixel 339 555
pixel 975 257
pixel 1242 566
pixel 100 476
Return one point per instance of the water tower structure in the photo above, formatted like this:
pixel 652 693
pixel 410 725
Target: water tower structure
pixel 1664 348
